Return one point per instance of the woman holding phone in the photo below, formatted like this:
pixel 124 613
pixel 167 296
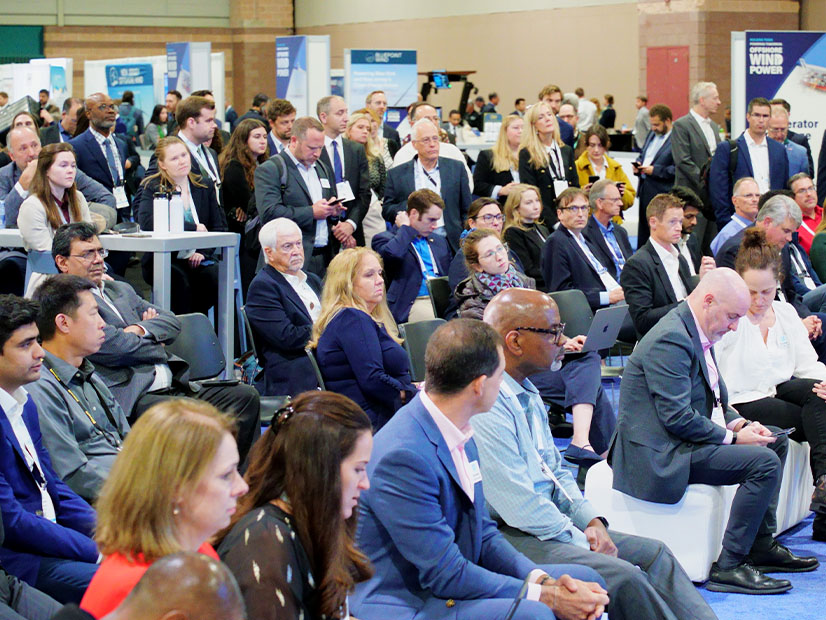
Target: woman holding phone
pixel 594 165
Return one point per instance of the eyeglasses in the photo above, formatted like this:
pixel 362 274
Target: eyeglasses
pixel 555 331
pixel 500 250
pixel 806 190
pixel 776 131
pixel 490 217
pixel 105 106
pixel 430 140
pixel 576 208
pixel 89 255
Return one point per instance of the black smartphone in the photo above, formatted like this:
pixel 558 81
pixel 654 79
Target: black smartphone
pixel 785 431
pixel 593 178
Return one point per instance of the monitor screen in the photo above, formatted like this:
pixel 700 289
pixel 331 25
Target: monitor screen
pixel 440 79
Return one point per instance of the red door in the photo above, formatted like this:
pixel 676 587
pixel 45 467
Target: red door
pixel 667 78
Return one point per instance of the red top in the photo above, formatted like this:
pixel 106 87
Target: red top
pixel 115 579
pixel 806 232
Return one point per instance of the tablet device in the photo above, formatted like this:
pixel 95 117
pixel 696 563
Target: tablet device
pixel 604 329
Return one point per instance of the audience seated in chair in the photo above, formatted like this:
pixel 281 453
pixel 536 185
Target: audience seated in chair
pixel 133 361
pixel 412 254
pixel 745 196
pixel 48 527
pixel 173 487
pixel 282 305
pixel 83 425
pixel 425 470
pixel 525 232
pixel 689 243
pixel 608 239
pixel 294 531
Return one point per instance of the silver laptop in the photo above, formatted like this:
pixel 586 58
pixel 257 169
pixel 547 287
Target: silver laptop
pixel 604 329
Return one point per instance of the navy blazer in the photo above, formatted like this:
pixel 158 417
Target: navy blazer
pixel 662 179
pixel 282 327
pixel 90 158
pixel 357 173
pixel 29 536
pixel 455 191
pixel 593 235
pixel 401 264
pixel 427 541
pixel 360 360
pixel 565 266
pixel 274 150
pixel 485 178
pixel 209 212
pixel 721 186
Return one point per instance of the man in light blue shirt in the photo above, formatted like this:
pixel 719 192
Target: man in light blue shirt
pixel 746 199
pixel 779 131
pixel 535 500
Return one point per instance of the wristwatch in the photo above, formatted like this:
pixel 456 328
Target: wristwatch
pixel 733 437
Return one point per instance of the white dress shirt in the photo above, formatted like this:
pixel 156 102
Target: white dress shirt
pixel 305 293
pixel 12 405
pixel 313 182
pixel 670 258
pixel 279 146
pixel 102 140
pixel 654 147
pixel 407 152
pixel 708 131
pixel 428 179
pixel 759 155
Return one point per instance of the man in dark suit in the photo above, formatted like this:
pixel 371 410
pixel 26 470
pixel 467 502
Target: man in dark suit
pixel 48 528
pixel 64 130
pixel 412 255
pixel 552 94
pixel 427 170
pixel 348 161
pixel 282 304
pixel 608 240
pixel 281 116
pixel 133 361
pixel 425 470
pixel 296 185
pixel 377 101
pixel 793 136
pixel 102 155
pixel 657 277
pixel 655 165
pixel 256 110
pixel 675 428
pixel 689 244
pixel 173 98
pixel 758 157
pixel 490 106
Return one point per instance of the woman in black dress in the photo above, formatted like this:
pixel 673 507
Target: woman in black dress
pixel 524 231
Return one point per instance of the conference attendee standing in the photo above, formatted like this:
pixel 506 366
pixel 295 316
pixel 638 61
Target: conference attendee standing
pixel 356 339
pixel 676 428
pixel 779 132
pixel 428 170
pixel 377 102
pixel 362 128
pixel 412 255
pixel 655 165
pixel 595 163
pixel 642 123
pixel 280 116
pixel 497 169
pixel 64 130
pixel 544 161
pixel 156 127
pixel 608 117
pixel 48 527
pixel 171 101
pixel 425 470
pixel 296 185
pixel 283 301
pixel 348 161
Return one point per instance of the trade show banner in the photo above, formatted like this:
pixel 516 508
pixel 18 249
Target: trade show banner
pixel 792 66
pixel 302 70
pixel 179 68
pixel 137 78
pixel 393 71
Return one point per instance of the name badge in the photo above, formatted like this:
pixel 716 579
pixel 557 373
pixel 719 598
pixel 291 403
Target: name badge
pixel 325 183
pixel 475 473
pixel 560 185
pixel 121 201
pixel 344 191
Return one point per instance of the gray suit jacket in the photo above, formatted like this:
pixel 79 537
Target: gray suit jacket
pixel 9 175
pixel 664 411
pixel 294 200
pixel 126 362
pixel 690 151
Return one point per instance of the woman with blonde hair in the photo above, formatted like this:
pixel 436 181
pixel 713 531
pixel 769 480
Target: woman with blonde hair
pixel 53 201
pixel 194 272
pixel 497 169
pixel 356 339
pixel 544 160
pixel 595 163
pixel 363 128
pixel 174 485
pixel 524 231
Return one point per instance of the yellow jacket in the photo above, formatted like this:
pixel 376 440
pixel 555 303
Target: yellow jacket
pixel 613 172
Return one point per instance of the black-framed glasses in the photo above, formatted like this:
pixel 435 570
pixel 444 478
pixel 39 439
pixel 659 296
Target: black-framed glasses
pixel 556 331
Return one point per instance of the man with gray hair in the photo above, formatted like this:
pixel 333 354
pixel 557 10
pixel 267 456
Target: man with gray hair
pixel 745 197
pixel 429 170
pixel 282 304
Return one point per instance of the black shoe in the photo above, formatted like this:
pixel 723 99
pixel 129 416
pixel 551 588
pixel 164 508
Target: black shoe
pixel 779 559
pixel 581 456
pixel 819 495
pixel 744 579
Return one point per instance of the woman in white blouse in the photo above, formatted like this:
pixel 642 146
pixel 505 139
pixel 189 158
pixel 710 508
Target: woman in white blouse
pixel 53 201
pixel 769 366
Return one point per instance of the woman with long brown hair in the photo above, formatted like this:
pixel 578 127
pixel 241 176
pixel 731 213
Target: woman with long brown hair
pixel 291 545
pixel 53 201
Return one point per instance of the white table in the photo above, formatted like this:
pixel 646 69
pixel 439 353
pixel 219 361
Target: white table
pixel 162 247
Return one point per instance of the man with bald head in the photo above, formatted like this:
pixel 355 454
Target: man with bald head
pixel 535 499
pixel 180 586
pixel 676 428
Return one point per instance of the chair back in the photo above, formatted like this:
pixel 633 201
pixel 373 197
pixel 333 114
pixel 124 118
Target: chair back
pixel 440 294
pixel 199 346
pixel 415 337
pixel 311 354
pixel 249 331
pixel 574 311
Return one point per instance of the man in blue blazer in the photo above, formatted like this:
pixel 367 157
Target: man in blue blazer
pixel 608 240
pixel 424 523
pixel 282 304
pixel 753 143
pixel 427 170
pixel 48 527
pixel 676 428
pixel 413 254
pixel 655 165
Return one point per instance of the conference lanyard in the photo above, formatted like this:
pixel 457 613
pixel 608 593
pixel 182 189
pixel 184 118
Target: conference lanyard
pixel 421 261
